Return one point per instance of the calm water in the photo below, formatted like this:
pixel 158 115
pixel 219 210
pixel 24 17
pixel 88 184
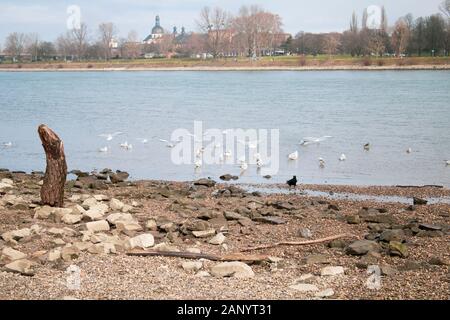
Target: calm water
pixel 391 110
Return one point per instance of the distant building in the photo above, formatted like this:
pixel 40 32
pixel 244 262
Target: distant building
pixel 157 32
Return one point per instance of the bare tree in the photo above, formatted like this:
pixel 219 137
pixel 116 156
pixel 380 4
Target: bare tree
pixel 376 44
pixel 331 43
pixel 400 37
pixel 107 32
pixel 445 8
pixel 80 40
pixel 215 23
pixel 32 45
pixel 15 45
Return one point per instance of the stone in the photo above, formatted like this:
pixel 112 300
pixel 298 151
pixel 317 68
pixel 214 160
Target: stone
pixel 218 239
pixel 71 218
pixel 69 253
pixel 97 226
pixel 228 177
pixel 126 226
pixel 23 267
pixel 332 271
pixel 429 227
pixel 387 270
pixel 316 259
pixel 419 201
pixel 411 266
pixel 43 212
pixel 229 215
pixel 304 287
pixel 16 235
pixel 142 241
pixel 151 225
pixel 339 244
pixel 203 274
pixel 165 247
pixel 305 233
pixel 205 182
pixel 116 205
pixel 117 217
pixel 437 261
pixel 234 269
pixel 204 234
pixel 353 219
pixel 127 208
pixel 192 266
pixel 362 247
pixel 54 255
pixel 398 249
pixel 198 225
pixel 306 278
pixel 325 293
pixel 270 220
pixel 89 202
pixel 393 235
pixel 9 255
pixel 118 177
pixel 77 209
pixel 59 242
pixel 194 250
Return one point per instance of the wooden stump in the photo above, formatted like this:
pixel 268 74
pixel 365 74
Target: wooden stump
pixel 52 191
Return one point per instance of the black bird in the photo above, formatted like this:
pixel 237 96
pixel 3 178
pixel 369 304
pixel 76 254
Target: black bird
pixel 292 182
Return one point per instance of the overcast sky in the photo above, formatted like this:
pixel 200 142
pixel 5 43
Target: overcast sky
pixel 48 17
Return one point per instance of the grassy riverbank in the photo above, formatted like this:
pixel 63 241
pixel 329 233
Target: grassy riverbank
pixel 265 63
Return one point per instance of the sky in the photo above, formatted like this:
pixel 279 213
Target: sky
pixel 48 17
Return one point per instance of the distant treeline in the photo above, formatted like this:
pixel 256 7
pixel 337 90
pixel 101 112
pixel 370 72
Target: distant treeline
pixel 250 33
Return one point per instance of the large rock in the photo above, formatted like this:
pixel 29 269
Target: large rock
pixel 24 267
pixel 9 255
pixel 126 226
pixel 229 215
pixel 71 218
pixel 97 226
pixel 116 205
pixel 15 235
pixel 232 269
pixel 419 202
pixel 393 235
pixel 142 241
pixel 362 247
pixel 398 249
pixel 204 234
pixel 54 255
pixel 117 217
pixel 118 177
pixel 205 182
pixel 316 259
pixel 44 212
pixel 218 239
pixel 69 253
pixel 332 271
pixel 192 266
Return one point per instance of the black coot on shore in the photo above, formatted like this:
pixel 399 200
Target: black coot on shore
pixel 292 182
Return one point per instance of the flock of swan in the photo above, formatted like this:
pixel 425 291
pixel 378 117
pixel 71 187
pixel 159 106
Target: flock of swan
pixel 252 145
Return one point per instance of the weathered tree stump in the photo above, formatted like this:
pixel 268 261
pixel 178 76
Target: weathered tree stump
pixel 52 191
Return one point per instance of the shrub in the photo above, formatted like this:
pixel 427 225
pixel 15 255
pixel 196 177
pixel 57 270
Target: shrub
pixel 302 61
pixel 90 66
pixel 380 62
pixel 367 62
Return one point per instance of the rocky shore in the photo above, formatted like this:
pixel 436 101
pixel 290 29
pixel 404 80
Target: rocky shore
pixel 109 223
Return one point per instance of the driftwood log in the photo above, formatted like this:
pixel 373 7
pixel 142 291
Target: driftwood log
pixel 52 191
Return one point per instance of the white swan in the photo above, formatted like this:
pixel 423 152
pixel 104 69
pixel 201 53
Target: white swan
pixel 110 136
pixel 7 144
pixel 447 162
pixel 312 140
pixel 409 150
pixel 126 145
pixel 367 146
pixel 259 163
pixel 104 149
pixel 293 156
pixel 198 163
pixel 343 157
pixel 244 166
pixel 169 144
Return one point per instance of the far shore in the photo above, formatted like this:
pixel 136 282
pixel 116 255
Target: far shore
pixel 233 68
